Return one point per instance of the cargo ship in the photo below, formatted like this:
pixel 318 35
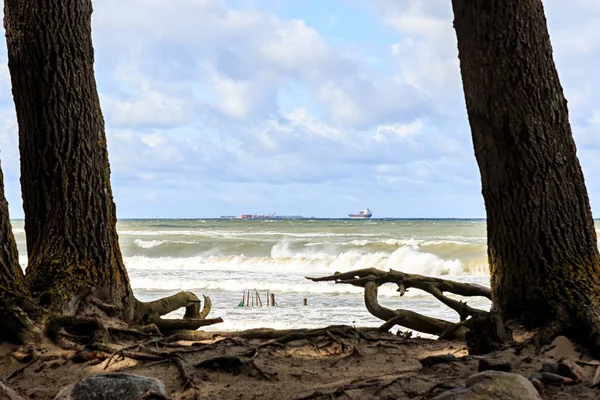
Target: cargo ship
pixel 365 214
pixel 264 217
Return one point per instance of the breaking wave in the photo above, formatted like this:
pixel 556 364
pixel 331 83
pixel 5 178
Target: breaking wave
pixel 283 260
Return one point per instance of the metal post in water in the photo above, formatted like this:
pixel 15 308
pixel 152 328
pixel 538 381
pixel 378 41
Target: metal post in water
pixel 273 299
pixel 305 302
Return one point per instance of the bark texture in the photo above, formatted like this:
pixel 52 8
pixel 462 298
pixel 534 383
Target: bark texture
pixel 11 274
pixel 75 264
pixel 70 218
pixel 542 245
pixel 13 293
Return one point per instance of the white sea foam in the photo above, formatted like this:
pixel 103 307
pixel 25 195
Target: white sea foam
pixel 238 285
pixel 284 260
pixel 394 242
pixel 148 244
pixel 300 286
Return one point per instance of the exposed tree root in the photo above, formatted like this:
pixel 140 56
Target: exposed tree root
pixel 377 382
pixel 16 313
pixel 75 332
pixel 188 383
pixel 284 335
pixel 71 332
pixel 243 364
pixel 371 278
pixel 194 318
pixel 134 355
pixel 161 350
pixel 172 325
pixel 589 334
pixel 139 332
pixel 120 351
pixel 331 331
pixel 110 309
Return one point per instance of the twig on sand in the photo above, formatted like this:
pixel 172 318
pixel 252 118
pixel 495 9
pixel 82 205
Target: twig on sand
pixel 20 370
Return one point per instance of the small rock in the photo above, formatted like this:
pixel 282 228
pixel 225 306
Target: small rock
pixel 570 369
pixel 485 365
pixel 493 385
pixel 548 378
pixel 562 347
pixel 116 386
pixel 434 360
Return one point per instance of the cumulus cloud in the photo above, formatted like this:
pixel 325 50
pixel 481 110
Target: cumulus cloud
pixel 227 108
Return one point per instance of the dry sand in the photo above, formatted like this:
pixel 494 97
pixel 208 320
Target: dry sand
pixel 384 367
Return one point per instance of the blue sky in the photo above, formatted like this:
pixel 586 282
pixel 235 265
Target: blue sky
pixel 322 108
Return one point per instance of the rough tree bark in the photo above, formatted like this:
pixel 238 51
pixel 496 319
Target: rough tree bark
pixel 13 291
pixel 65 178
pixel 11 275
pixel 75 264
pixel 542 249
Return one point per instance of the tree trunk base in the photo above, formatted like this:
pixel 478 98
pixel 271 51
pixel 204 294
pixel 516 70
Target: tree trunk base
pixel 487 333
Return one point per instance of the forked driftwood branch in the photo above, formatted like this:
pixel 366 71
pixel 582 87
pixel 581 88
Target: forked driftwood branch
pixel 194 318
pixel 371 278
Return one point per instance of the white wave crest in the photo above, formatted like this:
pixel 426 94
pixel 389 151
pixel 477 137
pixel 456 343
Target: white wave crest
pixel 148 244
pixel 285 260
pixel 394 242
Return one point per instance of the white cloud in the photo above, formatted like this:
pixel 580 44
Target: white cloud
pixel 153 140
pixel 148 107
pixel 399 130
pixel 247 104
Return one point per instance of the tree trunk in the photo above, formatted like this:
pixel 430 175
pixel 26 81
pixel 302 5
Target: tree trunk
pixel 12 287
pixel 542 249
pixel 11 275
pixel 75 264
pixel 70 218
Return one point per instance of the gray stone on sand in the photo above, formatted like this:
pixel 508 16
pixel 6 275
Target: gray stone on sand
pixel 116 386
pixel 493 385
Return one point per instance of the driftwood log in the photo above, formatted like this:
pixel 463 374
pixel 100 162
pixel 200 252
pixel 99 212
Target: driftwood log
pixel 194 318
pixel 371 278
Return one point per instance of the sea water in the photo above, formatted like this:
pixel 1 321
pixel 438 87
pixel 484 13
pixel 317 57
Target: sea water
pixel 221 258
